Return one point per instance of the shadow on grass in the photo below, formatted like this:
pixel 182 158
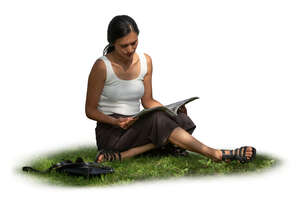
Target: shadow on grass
pixel 143 168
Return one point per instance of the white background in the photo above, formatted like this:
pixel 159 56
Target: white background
pixel 240 57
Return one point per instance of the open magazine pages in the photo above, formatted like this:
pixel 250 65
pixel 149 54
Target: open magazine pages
pixel 171 109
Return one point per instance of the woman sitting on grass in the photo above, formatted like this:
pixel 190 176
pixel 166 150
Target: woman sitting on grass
pixel 117 82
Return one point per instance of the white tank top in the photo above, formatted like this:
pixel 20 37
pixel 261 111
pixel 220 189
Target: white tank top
pixel 122 96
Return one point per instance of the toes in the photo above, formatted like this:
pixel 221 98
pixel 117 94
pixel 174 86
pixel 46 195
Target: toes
pixel 249 149
pixel 248 155
pixel 250 152
pixel 100 158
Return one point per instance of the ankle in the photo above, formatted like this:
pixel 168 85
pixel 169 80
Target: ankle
pixel 124 154
pixel 218 155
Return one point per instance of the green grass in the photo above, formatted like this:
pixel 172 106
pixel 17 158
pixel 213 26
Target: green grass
pixel 143 168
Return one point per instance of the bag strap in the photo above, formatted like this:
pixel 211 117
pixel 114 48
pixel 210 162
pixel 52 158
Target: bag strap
pixel 68 164
pixel 55 166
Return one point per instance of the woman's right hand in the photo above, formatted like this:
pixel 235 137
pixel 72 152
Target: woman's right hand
pixel 125 122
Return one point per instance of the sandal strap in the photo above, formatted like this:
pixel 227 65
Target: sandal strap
pixel 114 156
pixel 106 156
pixel 227 156
pixel 242 153
pixel 111 156
pixel 119 156
pixel 253 153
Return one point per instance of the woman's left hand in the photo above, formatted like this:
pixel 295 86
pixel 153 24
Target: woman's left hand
pixel 128 122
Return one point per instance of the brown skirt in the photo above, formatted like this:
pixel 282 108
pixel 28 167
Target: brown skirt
pixel 154 128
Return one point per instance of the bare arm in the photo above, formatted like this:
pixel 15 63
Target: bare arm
pixel 147 99
pixel 95 86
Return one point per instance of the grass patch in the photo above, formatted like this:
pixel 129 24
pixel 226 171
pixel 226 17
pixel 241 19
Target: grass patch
pixel 143 167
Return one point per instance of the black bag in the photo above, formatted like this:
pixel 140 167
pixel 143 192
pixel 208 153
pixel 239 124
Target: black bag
pixel 77 168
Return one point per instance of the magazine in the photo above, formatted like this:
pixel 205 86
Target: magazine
pixel 170 109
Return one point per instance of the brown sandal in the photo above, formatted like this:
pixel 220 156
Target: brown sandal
pixel 109 155
pixel 238 154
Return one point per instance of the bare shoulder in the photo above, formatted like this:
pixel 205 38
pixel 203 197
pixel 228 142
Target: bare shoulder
pixel 99 65
pixel 149 63
pixel 148 58
pixel 98 70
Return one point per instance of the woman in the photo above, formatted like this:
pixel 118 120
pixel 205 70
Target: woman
pixel 118 81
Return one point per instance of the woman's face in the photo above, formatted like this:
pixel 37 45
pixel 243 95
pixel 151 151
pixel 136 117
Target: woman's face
pixel 125 46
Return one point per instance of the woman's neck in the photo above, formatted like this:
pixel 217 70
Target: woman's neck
pixel 125 63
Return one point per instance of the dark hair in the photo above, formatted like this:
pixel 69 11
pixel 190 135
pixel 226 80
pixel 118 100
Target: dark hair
pixel 118 27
